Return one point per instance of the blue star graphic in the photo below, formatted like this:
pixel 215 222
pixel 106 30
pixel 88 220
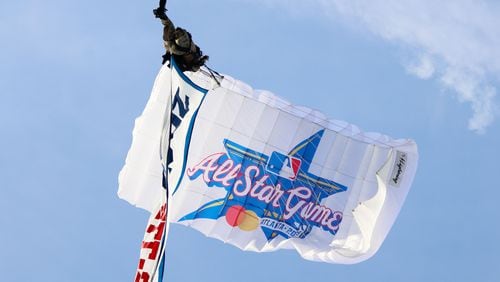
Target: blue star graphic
pixel 281 172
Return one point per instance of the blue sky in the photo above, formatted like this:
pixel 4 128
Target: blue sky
pixel 74 75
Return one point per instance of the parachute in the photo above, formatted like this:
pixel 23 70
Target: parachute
pixel 249 168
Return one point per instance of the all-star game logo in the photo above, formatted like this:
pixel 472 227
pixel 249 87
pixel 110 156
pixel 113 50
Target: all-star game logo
pixel 276 192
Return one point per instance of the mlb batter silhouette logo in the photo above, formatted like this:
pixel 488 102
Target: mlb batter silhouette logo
pixel 284 166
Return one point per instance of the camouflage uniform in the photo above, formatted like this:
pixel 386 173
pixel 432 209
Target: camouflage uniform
pixel 178 43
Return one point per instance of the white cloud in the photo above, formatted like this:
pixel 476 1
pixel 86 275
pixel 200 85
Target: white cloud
pixel 456 42
pixel 423 68
pixel 472 89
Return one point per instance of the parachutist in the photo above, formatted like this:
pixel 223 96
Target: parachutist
pixel 179 43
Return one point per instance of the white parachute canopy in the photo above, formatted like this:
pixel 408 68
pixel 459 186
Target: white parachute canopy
pixel 251 169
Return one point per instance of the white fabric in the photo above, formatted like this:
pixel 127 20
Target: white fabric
pixel 376 170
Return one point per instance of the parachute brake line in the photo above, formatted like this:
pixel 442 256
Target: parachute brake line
pixel 215 75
